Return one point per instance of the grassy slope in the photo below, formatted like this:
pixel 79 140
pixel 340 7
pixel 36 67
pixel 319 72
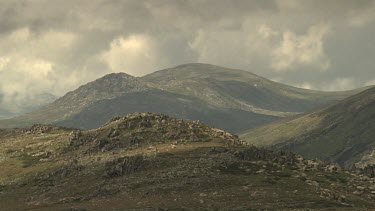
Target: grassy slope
pixel 177 172
pixel 343 133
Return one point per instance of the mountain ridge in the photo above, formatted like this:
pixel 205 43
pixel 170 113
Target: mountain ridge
pixel 240 96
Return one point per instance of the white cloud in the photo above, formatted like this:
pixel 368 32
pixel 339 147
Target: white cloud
pixel 248 46
pixel 340 84
pixel 261 46
pixel 28 64
pixel 296 50
pixel 3 62
pixel 266 31
pixel 135 55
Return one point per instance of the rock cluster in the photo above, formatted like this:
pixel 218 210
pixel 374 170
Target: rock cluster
pixel 368 171
pixel 144 129
pixel 124 165
pixel 253 153
pixel 39 129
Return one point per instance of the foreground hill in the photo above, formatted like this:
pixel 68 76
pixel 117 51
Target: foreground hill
pixel 233 100
pixel 343 133
pixel 149 161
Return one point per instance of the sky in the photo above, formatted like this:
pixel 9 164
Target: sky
pixel 56 46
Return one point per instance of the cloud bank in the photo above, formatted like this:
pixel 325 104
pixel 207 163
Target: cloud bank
pixel 56 46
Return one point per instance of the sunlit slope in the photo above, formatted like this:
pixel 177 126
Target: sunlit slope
pixel 344 132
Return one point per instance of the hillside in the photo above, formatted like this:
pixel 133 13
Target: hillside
pixel 107 87
pixel 238 89
pixel 234 100
pixel 151 161
pixel 343 133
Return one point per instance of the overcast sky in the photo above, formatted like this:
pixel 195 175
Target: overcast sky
pixel 56 45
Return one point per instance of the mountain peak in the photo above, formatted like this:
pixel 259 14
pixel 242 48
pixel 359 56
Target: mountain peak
pixel 201 70
pixel 120 75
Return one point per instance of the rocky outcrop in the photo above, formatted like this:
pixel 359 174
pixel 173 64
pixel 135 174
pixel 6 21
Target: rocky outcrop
pixel 369 171
pixel 39 129
pixel 143 129
pixel 123 166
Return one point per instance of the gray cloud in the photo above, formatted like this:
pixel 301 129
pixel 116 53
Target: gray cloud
pixel 55 46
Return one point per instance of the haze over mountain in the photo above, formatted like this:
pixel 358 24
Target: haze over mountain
pixel 16 108
pixel 230 99
pixel 343 133
pixel 144 160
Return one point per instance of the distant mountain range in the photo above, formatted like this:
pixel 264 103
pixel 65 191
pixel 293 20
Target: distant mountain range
pixel 343 133
pixel 234 100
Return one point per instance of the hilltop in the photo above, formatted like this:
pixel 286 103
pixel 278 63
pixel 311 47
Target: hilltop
pixel 146 160
pixel 342 133
pixel 234 100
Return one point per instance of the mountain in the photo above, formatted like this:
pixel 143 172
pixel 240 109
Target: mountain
pixel 343 133
pixel 9 110
pixel 234 100
pixel 146 161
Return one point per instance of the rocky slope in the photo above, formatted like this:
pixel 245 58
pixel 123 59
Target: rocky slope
pixel 343 133
pixel 233 100
pixel 151 161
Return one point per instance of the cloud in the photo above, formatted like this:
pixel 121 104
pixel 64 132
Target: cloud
pixel 135 55
pixel 28 64
pixel 297 50
pixel 264 47
pixel 340 84
pixel 3 62
pixel 248 46
pixel 56 46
